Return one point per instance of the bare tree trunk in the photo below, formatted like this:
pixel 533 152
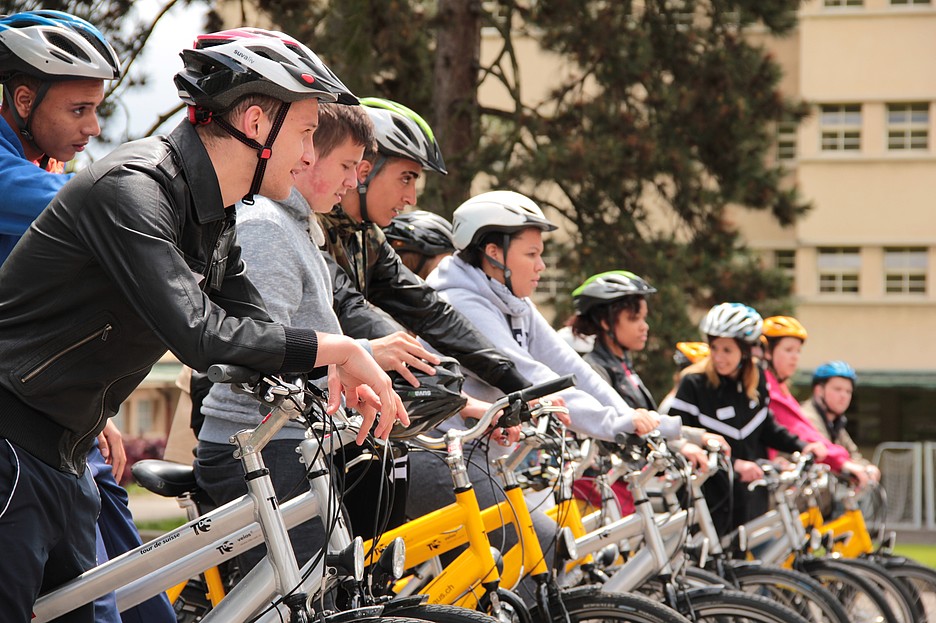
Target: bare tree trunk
pixel 455 97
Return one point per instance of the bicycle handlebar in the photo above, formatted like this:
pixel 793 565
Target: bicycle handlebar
pixel 511 404
pixel 229 373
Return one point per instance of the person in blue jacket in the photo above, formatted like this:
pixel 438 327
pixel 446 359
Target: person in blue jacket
pixel 53 67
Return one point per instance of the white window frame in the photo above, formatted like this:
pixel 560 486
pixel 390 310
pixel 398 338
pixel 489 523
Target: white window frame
pixel 908 126
pixel 842 4
pixel 905 270
pixel 839 270
pixel 840 127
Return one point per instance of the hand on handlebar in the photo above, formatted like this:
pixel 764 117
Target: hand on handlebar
pixel 554 400
pixel 645 421
pixel 696 455
pixel 747 471
pixel 716 443
pixel 817 449
pixel 367 388
pixel 857 473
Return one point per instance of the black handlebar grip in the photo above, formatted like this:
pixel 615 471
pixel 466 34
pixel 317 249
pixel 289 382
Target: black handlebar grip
pixel 549 387
pixel 227 373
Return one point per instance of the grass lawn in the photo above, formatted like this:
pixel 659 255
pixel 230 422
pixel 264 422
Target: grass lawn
pixel 924 554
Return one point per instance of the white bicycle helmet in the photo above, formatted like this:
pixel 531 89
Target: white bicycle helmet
pixel 734 320
pixel 401 133
pixel 503 211
pixel 52 46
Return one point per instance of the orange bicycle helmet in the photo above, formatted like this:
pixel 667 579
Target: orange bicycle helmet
pixel 688 353
pixel 783 326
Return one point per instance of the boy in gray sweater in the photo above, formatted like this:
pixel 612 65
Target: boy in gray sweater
pixel 280 244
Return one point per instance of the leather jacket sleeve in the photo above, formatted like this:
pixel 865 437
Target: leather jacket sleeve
pixel 406 297
pixel 199 331
pixel 359 319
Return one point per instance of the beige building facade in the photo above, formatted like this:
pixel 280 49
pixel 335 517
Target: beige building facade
pixel 863 260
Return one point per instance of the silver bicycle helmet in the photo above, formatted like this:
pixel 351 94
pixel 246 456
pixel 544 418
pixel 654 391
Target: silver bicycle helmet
pixel 734 320
pixel 225 66
pixel 52 46
pixel 608 287
pixel 401 133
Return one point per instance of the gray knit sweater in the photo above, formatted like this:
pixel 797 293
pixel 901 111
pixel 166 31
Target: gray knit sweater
pixel 288 270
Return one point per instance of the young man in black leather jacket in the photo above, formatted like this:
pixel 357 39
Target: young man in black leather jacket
pixel 135 255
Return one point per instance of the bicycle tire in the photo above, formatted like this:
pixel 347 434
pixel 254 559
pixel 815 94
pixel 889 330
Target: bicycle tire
pixel 794 589
pixel 443 613
pixel 591 604
pixel 732 606
pixel 919 580
pixel 862 600
pixel 797 591
pixel 898 596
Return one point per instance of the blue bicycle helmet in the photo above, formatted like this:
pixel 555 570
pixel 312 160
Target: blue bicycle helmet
pixel 832 369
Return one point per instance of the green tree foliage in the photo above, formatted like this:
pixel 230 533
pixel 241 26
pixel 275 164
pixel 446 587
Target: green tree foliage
pixel 666 118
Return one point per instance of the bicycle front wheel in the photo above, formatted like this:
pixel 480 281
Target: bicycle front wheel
pixel 793 589
pixel 898 596
pixel 920 580
pixel 591 604
pixel 735 607
pixel 862 599
pixel 441 613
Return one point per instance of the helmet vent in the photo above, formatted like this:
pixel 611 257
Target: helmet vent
pixel 67 46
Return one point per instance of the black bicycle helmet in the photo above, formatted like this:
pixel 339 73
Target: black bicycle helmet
pixel 437 398
pixel 421 232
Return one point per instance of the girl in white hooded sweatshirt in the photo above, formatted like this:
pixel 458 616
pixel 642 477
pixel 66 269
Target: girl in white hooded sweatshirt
pixel 498 235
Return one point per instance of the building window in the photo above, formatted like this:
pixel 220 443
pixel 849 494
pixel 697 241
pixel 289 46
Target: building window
pixel 841 127
pixel 838 270
pixel 909 2
pixel 785 261
pixel 786 140
pixel 905 270
pixel 834 4
pixel 908 126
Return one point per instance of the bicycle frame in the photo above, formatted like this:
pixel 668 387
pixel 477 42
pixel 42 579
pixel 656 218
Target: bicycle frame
pixel 851 536
pixel 217 536
pixel 465 522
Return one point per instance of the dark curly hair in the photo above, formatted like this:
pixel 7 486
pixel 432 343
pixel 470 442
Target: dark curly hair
pixel 590 322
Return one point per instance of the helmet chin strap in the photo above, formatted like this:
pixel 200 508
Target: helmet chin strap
pixel 264 151
pixel 503 266
pixel 362 190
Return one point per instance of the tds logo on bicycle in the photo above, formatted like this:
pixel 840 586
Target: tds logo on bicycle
pixel 225 548
pixel 202 526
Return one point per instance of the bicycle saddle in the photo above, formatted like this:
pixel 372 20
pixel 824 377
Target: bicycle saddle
pixel 164 478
